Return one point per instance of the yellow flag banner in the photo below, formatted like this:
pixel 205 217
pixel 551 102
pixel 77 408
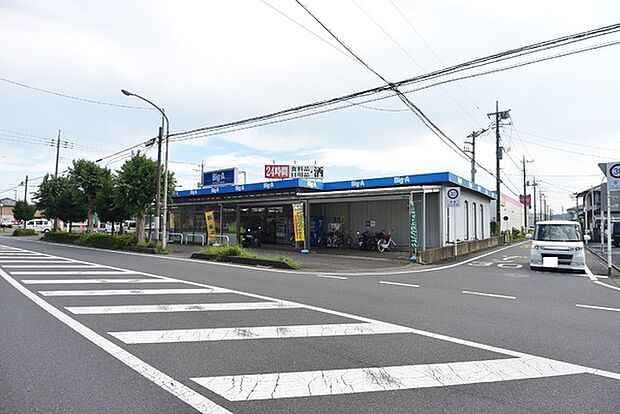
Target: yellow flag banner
pixel 298 222
pixel 210 222
pixel 171 221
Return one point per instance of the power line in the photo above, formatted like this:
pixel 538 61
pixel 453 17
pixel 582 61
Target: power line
pixel 63 95
pixel 563 141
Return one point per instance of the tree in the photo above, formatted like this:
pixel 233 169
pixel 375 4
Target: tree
pixel 106 204
pixel 89 178
pixel 136 188
pixel 58 197
pixel 23 211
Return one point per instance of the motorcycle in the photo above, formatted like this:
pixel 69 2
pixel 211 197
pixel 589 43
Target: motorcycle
pixel 385 241
pixel 251 238
pixel 366 241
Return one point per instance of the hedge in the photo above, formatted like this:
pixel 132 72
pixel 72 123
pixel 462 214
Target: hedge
pixel 102 240
pixel 24 232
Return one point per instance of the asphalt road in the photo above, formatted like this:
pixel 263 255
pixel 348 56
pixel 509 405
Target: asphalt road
pixel 487 336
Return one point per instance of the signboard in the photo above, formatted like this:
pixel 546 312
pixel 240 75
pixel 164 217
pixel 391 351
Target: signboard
pixel 219 177
pixel 413 228
pixel 525 200
pixel 453 197
pixel 298 222
pixel 210 224
pixel 277 171
pixel 283 171
pixel 613 176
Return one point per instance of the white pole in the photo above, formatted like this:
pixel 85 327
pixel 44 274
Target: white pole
pixel 608 231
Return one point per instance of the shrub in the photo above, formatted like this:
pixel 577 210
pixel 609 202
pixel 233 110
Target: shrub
pixel 62 237
pixel 107 241
pixel 217 252
pixel 24 232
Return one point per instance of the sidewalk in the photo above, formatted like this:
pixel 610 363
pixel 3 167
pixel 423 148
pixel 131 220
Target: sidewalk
pixel 595 248
pixel 324 259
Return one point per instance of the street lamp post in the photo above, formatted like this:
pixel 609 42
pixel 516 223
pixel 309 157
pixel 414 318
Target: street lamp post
pixel 158 184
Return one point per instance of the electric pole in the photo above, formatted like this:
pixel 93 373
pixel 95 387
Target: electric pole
pixel 56 173
pixel 26 189
pixel 472 150
pixel 534 185
pixel 499 115
pixel 540 196
pixel 57 157
pixel 524 197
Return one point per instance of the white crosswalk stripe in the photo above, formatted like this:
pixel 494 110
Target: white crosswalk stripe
pixel 70 272
pixel 372 379
pixel 122 292
pixel 195 307
pixel 260 332
pixel 93 281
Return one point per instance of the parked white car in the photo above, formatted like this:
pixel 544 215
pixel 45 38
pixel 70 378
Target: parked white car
pixel 40 225
pixel 558 244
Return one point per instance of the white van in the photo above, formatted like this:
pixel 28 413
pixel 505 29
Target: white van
pixel 40 225
pixel 557 244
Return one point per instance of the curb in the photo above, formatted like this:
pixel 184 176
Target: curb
pixel 604 259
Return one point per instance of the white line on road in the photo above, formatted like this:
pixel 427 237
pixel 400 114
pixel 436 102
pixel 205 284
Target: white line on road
pixel 399 284
pixel 36 261
pixel 93 281
pixel 51 266
pixel 192 307
pixel 71 272
pixel 257 332
pixel 404 377
pixel 174 387
pixel 493 295
pixel 598 307
pixel 590 274
pixel 122 292
pixel 332 277
pixel 606 285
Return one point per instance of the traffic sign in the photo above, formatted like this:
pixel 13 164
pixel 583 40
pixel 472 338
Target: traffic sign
pixel 612 172
pixel 453 197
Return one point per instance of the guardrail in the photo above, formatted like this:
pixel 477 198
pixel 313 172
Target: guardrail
pixel 193 237
pixel 223 237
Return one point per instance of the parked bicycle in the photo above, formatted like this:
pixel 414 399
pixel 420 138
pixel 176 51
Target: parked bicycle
pixel 385 241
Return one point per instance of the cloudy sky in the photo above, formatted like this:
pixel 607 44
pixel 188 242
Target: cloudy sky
pixel 210 62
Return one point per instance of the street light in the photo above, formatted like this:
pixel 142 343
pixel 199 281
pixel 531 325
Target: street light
pixel 158 184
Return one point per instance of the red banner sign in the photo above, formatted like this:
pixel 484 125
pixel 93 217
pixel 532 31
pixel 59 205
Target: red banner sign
pixel 277 171
pixel 526 200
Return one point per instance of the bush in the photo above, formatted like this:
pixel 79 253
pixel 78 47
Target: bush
pixel 107 241
pixel 24 232
pixel 217 252
pixel 62 237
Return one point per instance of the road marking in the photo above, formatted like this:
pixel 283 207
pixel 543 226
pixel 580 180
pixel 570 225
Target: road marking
pixel 404 377
pixel 51 266
pixel 36 261
pixel 93 281
pixel 331 277
pixel 27 257
pixel 506 258
pixel 441 337
pixel 71 272
pixel 174 387
pixel 121 292
pixel 399 284
pixel 509 265
pixel 590 275
pixel 195 307
pixel 606 285
pixel 257 332
pixel 493 295
pixel 598 307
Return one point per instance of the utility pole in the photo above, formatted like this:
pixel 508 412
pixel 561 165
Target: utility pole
pixel 534 184
pixel 57 155
pixel 472 151
pixel 158 182
pixel 499 115
pixel 25 194
pixel 56 173
pixel 540 196
pixel 524 197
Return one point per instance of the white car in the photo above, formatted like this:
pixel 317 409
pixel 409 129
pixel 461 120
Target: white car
pixel 558 244
pixel 40 225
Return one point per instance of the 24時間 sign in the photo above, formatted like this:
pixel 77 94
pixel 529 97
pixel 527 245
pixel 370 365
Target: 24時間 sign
pixel 282 171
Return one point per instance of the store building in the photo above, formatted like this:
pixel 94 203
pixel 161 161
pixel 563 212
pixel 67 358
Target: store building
pixel 350 206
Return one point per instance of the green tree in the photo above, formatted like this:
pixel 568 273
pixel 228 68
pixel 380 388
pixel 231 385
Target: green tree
pixel 59 197
pixel 24 211
pixel 136 188
pixel 89 178
pixel 106 204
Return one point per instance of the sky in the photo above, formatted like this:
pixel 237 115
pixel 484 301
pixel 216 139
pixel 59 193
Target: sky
pixel 210 62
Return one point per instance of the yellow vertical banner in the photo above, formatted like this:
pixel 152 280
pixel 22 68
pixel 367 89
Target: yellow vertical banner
pixel 298 222
pixel 210 223
pixel 171 221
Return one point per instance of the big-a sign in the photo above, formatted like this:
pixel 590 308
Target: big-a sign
pixel 219 177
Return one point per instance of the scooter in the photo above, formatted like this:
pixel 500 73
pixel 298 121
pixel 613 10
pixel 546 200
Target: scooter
pixel 366 241
pixel 251 238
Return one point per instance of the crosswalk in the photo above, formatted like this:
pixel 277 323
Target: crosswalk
pixel 87 296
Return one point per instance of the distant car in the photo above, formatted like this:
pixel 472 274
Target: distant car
pixel 558 244
pixel 40 225
pixel 6 224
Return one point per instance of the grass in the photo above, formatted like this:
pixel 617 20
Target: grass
pixel 217 252
pixel 24 232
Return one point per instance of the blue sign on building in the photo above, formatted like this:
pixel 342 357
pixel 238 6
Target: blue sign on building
pixel 219 177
